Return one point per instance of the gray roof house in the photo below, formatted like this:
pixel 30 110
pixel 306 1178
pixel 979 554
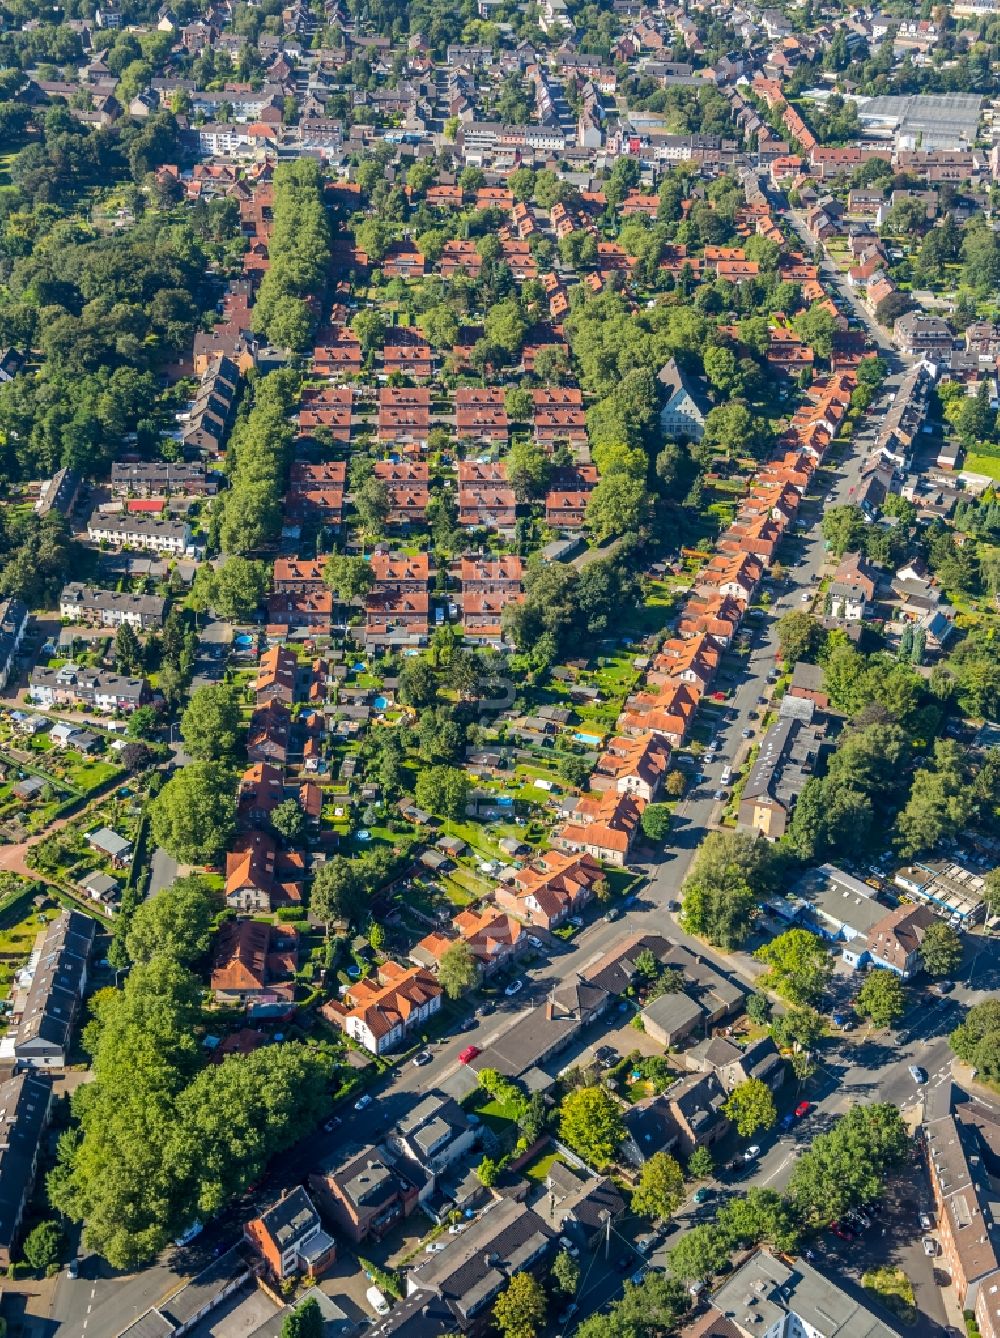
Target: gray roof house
pixel 44 1014
pixel 685 404
pixel 24 1112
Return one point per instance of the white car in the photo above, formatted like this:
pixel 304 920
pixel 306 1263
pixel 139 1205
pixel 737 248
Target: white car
pixel 930 1246
pixel 752 1152
pixel 535 942
pixel 424 1057
pixel 805 597
pixel 363 1102
pixel 435 1247
pixel 513 988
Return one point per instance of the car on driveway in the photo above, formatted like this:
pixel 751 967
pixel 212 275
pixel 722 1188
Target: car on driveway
pixel 751 1153
pixel 515 987
pixel 700 1195
pixel 803 1108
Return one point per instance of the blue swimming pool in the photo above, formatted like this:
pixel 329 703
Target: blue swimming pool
pixel 358 668
pixel 380 703
pixel 244 640
pixel 587 738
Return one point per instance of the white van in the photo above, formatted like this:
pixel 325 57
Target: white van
pixel 377 1301
pixel 727 775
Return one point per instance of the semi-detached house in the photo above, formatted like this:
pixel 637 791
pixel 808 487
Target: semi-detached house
pixel 379 1013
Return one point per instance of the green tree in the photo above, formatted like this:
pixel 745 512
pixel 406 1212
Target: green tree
pixel 194 815
pixel 337 890
pixel 457 969
pixel 760 1215
pixel 348 577
pixel 729 873
pixel 758 1009
pixel 43 1245
pixel 305 1321
pixel 977 1039
pixel 238 588
pixel 619 504
pixel 941 949
pixel 211 725
pixel 843 529
pixel 800 965
pixel 177 922
pixel 656 821
pixel 653 1307
pixel 373 504
pixel 590 1121
pixel 845 1166
pixel 443 791
pixel 991 891
pixel 797 1027
pixel 800 637
pixel 566 1273
pixel 881 998
pixel 128 652
pixel 529 469
pixel 816 326
pixel 289 821
pixel 700 1253
pixel 751 1106
pixel 700 1164
pixel 939 805
pixel 660 1188
pixel 519 1311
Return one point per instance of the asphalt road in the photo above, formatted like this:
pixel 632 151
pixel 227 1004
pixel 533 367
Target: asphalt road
pixel 102 1303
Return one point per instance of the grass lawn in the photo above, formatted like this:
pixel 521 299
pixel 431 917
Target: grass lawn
pixel 91 775
pixel 894 1289
pixel 983 464
pixel 494 1114
pixel 16 941
pixel 538 1169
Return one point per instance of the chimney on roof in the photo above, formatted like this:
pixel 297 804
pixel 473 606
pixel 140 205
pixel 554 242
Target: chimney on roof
pixel 550 1008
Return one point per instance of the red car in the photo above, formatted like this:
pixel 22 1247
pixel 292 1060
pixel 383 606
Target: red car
pixel 469 1054
pixel 843 1232
pixel 803 1108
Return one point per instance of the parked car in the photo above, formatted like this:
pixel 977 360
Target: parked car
pixel 435 1247
pixel 469 1054
pixel 918 1074
pixel 515 987
pixel 803 1108
pixel 787 1121
pixel 332 1123
pixel 926 1222
pixel 930 1246
pixel 751 1153
pixel 700 1195
pixel 363 1102
pixel 844 1232
pixel 424 1057
pixel 613 914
